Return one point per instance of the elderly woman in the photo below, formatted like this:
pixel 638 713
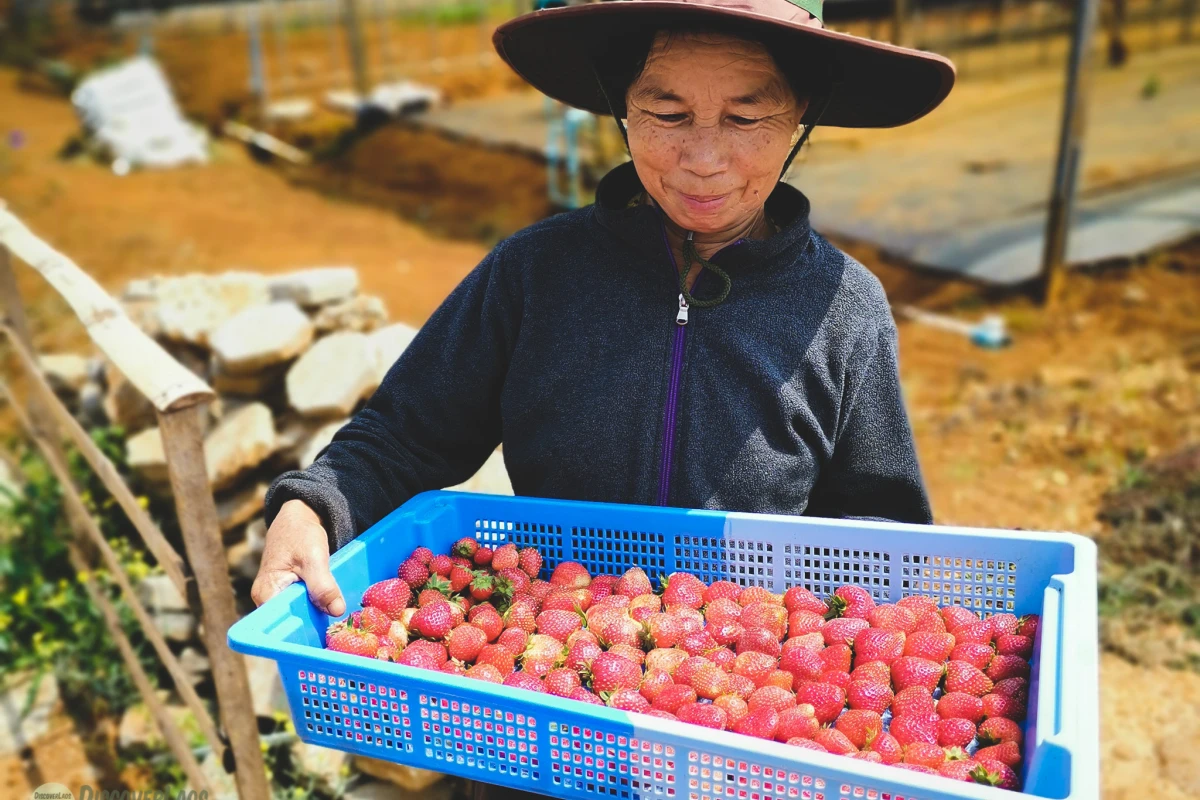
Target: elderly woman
pixel 688 340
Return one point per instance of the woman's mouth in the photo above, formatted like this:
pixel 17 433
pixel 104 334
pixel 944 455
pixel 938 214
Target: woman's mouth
pixel 703 203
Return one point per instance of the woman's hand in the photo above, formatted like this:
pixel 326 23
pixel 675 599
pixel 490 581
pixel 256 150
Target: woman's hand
pixel 297 548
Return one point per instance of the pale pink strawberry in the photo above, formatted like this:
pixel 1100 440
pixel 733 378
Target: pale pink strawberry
pixel 610 672
pixel 647 604
pixel 1013 644
pixel 665 659
pixel 602 585
pixel 653 682
pixel 888 748
pixel 957 616
pixel 755 665
pixel 804 621
pixel 722 590
pixel 996 773
pixel 683 589
pixel 622 630
pixel 654 712
pixel 976 654
pixel 722 611
pixel 1003 666
pixel 577 600
pixel 582 635
pixel 628 700
pixel 485 672
pixel 912 728
pixel 869 696
pixel 929 645
pixel 767 616
pixel 878 644
pixel 834 741
pixel 891 617
pixel 860 726
pixel 826 699
pixel 960 705
pixel 673 697
pixel 542 654
pixel 875 671
pixel 633 582
pixel 757 594
pixel 417 655
pixel 913 701
pixel 798 598
pixel 911 671
pixel 964 677
pixel 760 723
pixel 805 665
pixel 520 615
pixel 921 768
pixel 704 715
pixel 1006 753
pixel 561 682
pixel 955 732
pixel 999 729
pixel 843 629
pixel 798 721
pixel 691 619
pixel 571 574
pixel 583 695
pixel 734 707
pixel 837 657
pixel 540 590
pixel 851 601
pixel 759 640
pixel 809 641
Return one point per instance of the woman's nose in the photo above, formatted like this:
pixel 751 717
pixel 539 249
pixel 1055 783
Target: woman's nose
pixel 703 152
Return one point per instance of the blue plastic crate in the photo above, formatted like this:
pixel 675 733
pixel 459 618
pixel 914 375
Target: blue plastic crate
pixel 566 749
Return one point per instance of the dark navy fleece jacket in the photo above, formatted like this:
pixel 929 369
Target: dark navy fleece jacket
pixel 563 344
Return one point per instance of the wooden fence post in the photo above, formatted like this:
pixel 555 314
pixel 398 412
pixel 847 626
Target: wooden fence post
pixel 182 432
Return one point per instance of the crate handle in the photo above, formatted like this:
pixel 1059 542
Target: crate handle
pixel 257 632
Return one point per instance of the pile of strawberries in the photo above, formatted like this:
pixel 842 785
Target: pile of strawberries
pixel 934 690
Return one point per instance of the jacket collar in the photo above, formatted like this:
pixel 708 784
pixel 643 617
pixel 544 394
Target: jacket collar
pixel 641 226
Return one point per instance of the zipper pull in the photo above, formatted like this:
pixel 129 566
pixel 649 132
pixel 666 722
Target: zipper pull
pixel 682 316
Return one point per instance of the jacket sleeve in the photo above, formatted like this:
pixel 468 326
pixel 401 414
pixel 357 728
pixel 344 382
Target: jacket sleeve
pixel 431 424
pixel 873 472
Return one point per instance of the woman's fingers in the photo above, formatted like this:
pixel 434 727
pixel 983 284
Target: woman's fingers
pixel 323 590
pixel 297 548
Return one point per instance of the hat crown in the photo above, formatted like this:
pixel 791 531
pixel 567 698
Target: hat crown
pixel 808 12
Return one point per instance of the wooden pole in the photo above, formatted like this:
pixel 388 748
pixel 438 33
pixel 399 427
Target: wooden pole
pixel 1070 153
pixel 900 12
pixel 183 444
pixel 358 50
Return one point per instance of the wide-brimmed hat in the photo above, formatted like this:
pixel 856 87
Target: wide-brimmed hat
pixel 869 84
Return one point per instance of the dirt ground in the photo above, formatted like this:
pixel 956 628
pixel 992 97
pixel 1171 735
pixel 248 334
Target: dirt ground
pixel 1030 436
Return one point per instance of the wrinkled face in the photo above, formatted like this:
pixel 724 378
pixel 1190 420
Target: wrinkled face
pixel 711 120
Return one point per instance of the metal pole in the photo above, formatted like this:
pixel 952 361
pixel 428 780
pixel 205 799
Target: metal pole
pixel 1070 151
pixel 358 54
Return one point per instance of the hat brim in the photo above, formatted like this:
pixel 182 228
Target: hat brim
pixel 877 85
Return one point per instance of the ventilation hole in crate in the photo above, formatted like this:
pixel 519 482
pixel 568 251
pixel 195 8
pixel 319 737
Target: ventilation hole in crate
pixel 606 551
pixel 984 585
pixel 822 570
pixel 545 537
pixel 710 776
pixel 361 716
pixel 613 765
pixel 745 562
pixel 475 736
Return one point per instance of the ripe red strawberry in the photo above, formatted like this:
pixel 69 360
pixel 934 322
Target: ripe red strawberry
pixel 483 556
pixel 584 695
pixel 726 635
pixel 634 582
pixel 423 655
pixel 806 744
pixel 912 728
pixel 709 681
pixel 741 686
pixel 540 589
pixel 529 560
pixel 1000 705
pixel 345 637
pixel 723 657
pixel 1004 624
pixel 1003 666
pixel 559 624
pixel 874 671
pixel 498 657
pixel 610 672
pixel 722 611
pixel 465 547
pixel 561 682
pixel 735 708
pixel 955 732
pixel 653 682
pixel 929 645
pixel 757 594
pixel 1006 753
pixel 760 723
pixel 964 677
pixel 665 659
pixel 674 697
pixel 698 643
pixel 834 741
pixel 542 654
pixel 1013 687
pixel 957 616
pixel 869 696
pixel 794 722
pixel 413 572
pixel 517 582
pixel 623 630
pixel 1013 644
pixel 826 699
pixel 798 598
pixel 851 601
pixel 704 715
pixel 767 616
pixel 465 642
pixel 929 620
pixel 804 621
pixel 521 616
pixel 581 654
pixel 770 697
pixel 911 671
pixel 1028 625
pixel 836 677
pixel 460 579
pixel 391 596
pixel 917 602
pixel 485 672
pixel 523 680
pixel 683 589
pixel 482 586
pixel 756 666
pixel 805 665
pixel 922 753
pixel 958 769
pixel 999 729
pixel 809 641
pixel 722 590
pixel 628 700
pixel 891 617
pixel 860 726
pixel 960 705
pixel 373 619
pixel 976 654
pixel 488 620
pixel 422 554
pixel 974 633
pixel 514 640
pixel 570 574
pixel 759 640
pixel 888 748
pixel 434 591
pixel 505 557
pixel 567 600
pixel 996 773
pixel 913 701
pixel 433 621
pixel 654 712
pixel 629 652
pixel 876 644
pixel 867 755
pixel 785 680
pixel 441 565
pixel 842 630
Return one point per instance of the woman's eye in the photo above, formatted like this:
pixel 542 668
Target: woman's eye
pixel 742 121
pixel 670 117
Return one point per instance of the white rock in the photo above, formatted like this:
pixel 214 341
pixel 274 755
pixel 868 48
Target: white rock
pixel 260 336
pixel 240 506
pixel 222 783
pixel 144 454
pixel 322 437
pixel 388 344
pixel 19 728
pixel 139 728
pixel 492 478
pixel 360 313
pixel 329 768
pixel 167 607
pixel 332 376
pixel 125 405
pixel 245 556
pixel 194 663
pixel 243 439
pixel 316 286
pixel 266 688
pixel 192 307
pixel 65 371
